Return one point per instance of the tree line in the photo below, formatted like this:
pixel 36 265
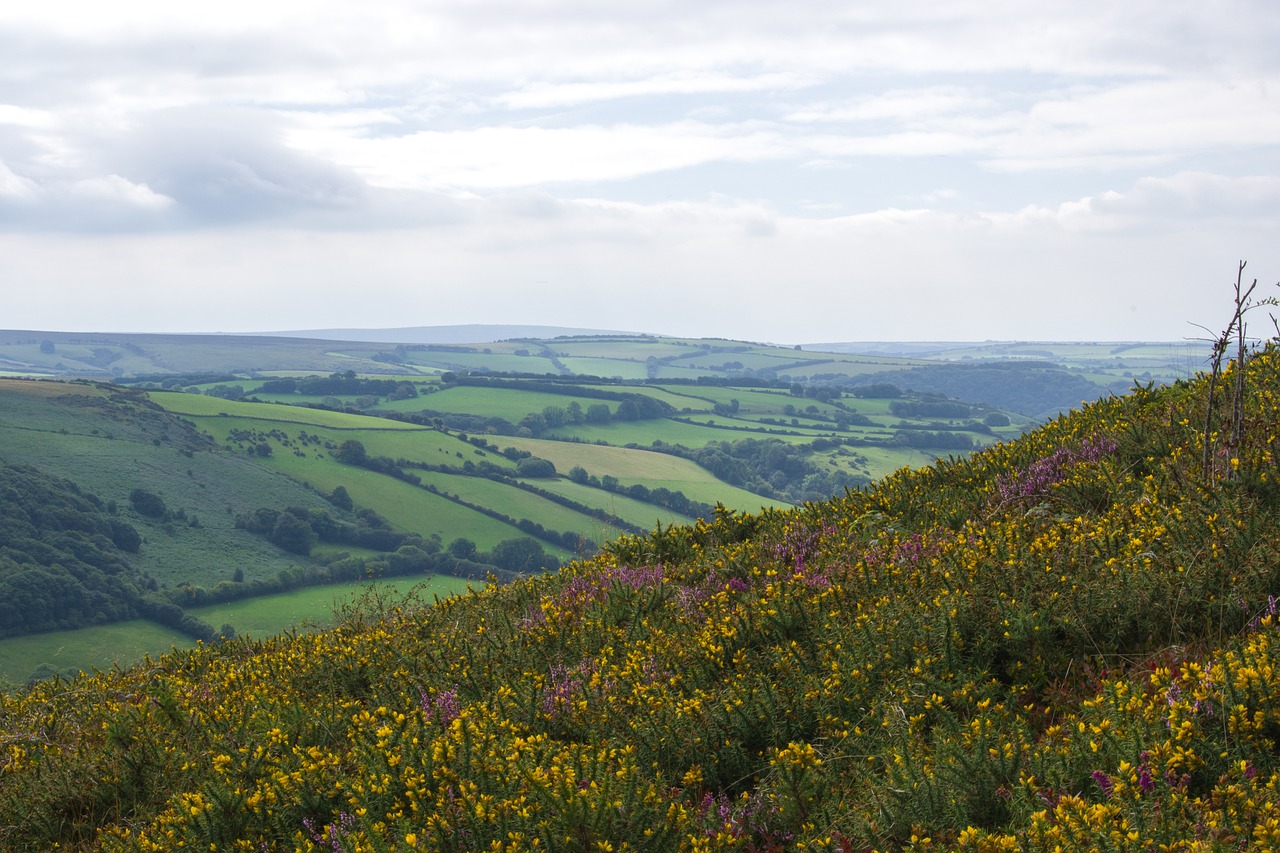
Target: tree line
pixel 63 556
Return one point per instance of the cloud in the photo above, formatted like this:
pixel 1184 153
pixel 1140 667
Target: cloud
pixel 1146 121
pixel 1185 199
pixel 491 158
pixel 14 187
pixel 782 171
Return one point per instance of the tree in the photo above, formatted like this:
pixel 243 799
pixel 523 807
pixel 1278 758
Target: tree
pixel 578 474
pixel 535 467
pixel 462 548
pixel 125 536
pixel 148 504
pixel 47 347
pixel 352 452
pixel 293 534
pixel 519 555
pixel 599 413
pixel 341 499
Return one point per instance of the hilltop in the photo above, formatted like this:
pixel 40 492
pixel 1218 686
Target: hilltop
pixel 1063 641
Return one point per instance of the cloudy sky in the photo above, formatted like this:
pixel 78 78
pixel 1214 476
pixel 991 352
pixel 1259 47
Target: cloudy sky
pixel 788 172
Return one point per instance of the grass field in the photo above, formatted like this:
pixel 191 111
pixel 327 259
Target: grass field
pixel 110 448
pixel 314 606
pixel 126 643
pixel 200 405
pixel 99 647
pixel 509 403
pixel 641 514
pixel 647 467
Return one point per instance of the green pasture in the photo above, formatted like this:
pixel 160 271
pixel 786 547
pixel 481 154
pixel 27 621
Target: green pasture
pixel 617 349
pixel 606 367
pixel 404 505
pixel 640 433
pixel 86 649
pixel 754 360
pixel 807 428
pixel 679 370
pixel 415 443
pixel 296 399
pixel 750 400
pixel 630 510
pixel 209 488
pixel 25 374
pixel 314 606
pixel 199 405
pixel 125 643
pixel 532 363
pixel 672 398
pixel 509 403
pixel 647 467
pixel 513 502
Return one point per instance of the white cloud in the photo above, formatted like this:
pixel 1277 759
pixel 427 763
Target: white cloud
pixel 504 157
pixel 1147 120
pixel 114 188
pixel 14 186
pixel 972 160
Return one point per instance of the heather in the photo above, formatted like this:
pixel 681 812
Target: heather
pixel 1067 641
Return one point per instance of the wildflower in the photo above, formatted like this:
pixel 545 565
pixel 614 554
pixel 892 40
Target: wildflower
pixel 1104 783
pixel 1145 782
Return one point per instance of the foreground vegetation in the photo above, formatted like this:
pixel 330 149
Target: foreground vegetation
pixel 1067 641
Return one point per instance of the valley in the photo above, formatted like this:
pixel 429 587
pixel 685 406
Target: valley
pixel 436 463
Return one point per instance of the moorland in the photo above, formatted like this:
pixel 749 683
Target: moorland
pixel 1063 639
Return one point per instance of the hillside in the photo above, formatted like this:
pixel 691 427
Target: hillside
pixel 1031 378
pixel 1065 641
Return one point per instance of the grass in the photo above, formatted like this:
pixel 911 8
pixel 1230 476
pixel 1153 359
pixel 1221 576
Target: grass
pixel 646 467
pixel 126 643
pixel 203 406
pixel 314 607
pixel 110 448
pixel 641 433
pixel 508 403
pixel 1064 642
pixel 642 515
pixel 514 502
pixel 98 647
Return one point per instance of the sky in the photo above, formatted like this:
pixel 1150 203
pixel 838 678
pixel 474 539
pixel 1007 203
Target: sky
pixel 779 172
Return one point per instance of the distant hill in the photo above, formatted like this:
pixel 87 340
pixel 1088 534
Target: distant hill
pixel 471 333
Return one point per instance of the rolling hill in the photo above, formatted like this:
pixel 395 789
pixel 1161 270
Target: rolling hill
pixel 1062 641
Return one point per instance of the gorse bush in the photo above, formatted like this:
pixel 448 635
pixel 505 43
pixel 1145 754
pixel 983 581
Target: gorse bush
pixel 1068 641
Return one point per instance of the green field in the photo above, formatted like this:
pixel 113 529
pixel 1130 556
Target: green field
pixel 646 467
pixel 314 606
pixel 99 647
pixel 201 405
pixel 126 643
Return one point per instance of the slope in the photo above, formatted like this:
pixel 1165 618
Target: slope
pixel 1062 642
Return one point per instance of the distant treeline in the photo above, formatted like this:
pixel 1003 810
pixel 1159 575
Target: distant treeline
pixel 63 557
pixel 297 529
pixel 771 467
pixel 1030 388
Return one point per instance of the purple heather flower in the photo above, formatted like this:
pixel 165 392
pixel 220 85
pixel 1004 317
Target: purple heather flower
pixel 1104 783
